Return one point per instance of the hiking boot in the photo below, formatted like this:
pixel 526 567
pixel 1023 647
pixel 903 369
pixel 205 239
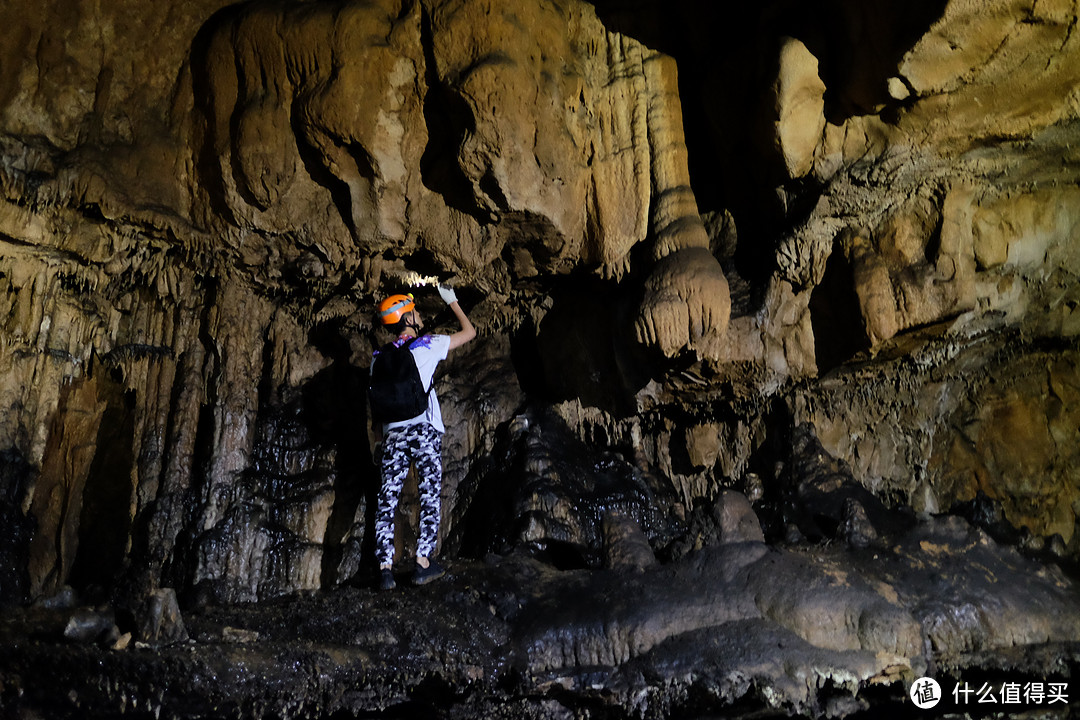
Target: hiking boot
pixel 424 575
pixel 386 579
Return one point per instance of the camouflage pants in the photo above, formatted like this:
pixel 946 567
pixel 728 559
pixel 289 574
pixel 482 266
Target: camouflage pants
pixel 419 444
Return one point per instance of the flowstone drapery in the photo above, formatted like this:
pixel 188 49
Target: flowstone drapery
pixel 801 275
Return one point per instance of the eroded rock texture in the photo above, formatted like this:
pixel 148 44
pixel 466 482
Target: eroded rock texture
pixel 750 282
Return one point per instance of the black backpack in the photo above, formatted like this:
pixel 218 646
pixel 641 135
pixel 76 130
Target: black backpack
pixel 395 388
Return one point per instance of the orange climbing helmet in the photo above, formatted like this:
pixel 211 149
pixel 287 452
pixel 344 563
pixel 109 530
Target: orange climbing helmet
pixel 393 308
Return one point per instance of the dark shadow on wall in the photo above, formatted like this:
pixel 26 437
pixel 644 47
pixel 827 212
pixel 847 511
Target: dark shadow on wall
pixel 839 331
pixel 584 347
pixel 449 121
pixel 858 46
pixel 334 410
pixel 727 58
pixel 206 141
pixel 105 520
pixel 16 528
pixel 538 462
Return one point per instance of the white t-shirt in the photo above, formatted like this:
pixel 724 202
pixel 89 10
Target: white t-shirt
pixel 428 351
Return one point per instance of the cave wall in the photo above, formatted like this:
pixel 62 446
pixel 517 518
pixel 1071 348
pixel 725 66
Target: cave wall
pixel 861 221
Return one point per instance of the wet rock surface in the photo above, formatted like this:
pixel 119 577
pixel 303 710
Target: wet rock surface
pixel 775 403
pixel 740 628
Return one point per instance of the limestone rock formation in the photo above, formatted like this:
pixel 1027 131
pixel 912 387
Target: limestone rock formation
pixel 314 163
pixel 493 144
pixel 782 290
pixel 803 631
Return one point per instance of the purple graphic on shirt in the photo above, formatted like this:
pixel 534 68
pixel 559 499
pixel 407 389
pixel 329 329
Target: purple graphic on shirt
pixel 424 341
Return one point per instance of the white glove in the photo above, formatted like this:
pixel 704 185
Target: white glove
pixel 447 294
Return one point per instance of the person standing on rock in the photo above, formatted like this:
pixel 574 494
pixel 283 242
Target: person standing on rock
pixel 409 426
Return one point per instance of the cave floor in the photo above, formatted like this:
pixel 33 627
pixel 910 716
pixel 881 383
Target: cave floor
pixel 738 630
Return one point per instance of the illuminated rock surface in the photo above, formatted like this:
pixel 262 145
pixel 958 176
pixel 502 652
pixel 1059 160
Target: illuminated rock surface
pixel 775 404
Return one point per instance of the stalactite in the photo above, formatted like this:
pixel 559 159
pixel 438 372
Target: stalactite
pixel 188 265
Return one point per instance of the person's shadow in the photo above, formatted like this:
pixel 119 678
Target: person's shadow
pixel 334 409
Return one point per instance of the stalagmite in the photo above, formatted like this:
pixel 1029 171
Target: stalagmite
pixel 687 304
pixel 773 406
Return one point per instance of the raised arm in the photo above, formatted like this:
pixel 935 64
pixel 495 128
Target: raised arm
pixel 467 332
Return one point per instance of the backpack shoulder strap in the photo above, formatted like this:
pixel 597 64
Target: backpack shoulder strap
pixel 408 346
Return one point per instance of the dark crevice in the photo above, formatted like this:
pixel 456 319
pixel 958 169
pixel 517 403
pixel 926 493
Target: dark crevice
pixel 449 121
pixel 839 333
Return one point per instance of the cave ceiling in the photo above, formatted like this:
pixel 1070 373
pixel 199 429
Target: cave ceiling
pixel 812 252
